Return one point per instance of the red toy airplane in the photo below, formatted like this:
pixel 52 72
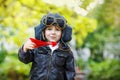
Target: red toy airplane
pixel 40 43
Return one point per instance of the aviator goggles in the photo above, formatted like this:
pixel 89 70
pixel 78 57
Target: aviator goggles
pixel 51 20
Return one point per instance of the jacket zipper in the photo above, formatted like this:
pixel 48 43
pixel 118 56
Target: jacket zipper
pixel 49 66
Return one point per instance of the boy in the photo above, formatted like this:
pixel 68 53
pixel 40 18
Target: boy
pixel 50 62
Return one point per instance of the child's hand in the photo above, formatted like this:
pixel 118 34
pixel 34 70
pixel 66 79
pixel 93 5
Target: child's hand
pixel 28 45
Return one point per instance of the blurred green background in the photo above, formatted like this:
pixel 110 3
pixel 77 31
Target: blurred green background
pixel 96 35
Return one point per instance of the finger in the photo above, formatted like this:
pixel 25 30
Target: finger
pixel 31 47
pixel 33 44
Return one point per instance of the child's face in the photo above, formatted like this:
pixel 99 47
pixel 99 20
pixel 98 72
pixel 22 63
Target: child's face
pixel 53 33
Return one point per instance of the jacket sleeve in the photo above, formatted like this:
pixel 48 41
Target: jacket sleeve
pixel 69 68
pixel 25 57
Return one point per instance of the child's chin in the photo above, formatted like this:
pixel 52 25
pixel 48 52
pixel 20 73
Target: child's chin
pixel 53 41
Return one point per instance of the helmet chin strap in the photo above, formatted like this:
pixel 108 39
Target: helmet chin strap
pixel 63 42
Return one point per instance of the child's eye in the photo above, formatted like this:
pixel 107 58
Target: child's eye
pixel 49 29
pixel 58 30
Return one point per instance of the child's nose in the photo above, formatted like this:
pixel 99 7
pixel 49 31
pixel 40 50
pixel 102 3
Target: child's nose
pixel 53 31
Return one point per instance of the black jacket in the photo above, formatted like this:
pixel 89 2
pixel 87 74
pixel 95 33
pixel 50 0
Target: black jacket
pixel 58 65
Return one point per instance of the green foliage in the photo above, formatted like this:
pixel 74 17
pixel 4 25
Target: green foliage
pixel 82 28
pixel 107 27
pixel 108 12
pixel 107 33
pixel 3 53
pixel 81 64
pixel 109 17
pixel 113 44
pixel 96 41
pixel 13 69
pixel 85 3
pixel 106 70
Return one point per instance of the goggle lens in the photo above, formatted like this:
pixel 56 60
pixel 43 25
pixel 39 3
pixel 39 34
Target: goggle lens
pixel 49 20
pixel 61 23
